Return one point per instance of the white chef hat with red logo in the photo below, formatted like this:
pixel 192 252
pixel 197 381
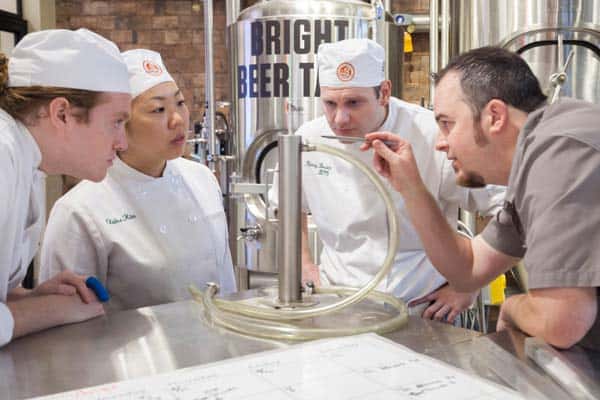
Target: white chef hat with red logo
pixel 146 70
pixel 63 58
pixel 351 63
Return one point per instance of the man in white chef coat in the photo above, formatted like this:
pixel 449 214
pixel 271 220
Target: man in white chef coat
pixel 348 212
pixel 64 99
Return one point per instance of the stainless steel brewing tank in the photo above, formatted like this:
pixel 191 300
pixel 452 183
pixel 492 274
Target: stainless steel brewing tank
pixel 532 28
pixel 272 51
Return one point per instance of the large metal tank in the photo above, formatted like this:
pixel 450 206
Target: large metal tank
pixel 535 29
pixel 272 51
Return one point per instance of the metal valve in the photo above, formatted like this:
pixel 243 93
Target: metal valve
pixel 250 233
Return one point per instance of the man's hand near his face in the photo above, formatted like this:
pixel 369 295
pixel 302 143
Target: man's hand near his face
pixel 394 161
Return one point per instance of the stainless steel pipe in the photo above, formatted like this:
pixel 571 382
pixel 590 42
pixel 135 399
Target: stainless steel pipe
pixel 209 83
pixel 434 46
pixel 379 12
pixel 439 51
pixel 445 34
pixel 290 186
pixel 232 11
pixel 420 22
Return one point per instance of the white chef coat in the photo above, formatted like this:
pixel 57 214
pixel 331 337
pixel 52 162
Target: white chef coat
pixel 145 238
pixel 22 202
pixel 350 215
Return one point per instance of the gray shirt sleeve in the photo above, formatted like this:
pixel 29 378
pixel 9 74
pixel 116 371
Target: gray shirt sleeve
pixel 503 232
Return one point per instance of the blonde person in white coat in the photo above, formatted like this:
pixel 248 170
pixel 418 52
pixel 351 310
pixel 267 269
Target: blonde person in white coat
pixel 56 117
pixel 156 223
pixel 349 215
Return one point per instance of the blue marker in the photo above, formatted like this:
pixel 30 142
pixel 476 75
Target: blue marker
pixel 93 283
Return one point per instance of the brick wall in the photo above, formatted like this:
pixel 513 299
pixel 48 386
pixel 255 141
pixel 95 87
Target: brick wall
pixel 175 29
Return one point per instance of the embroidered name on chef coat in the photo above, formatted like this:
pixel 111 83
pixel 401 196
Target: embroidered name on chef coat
pixel 321 169
pixel 118 220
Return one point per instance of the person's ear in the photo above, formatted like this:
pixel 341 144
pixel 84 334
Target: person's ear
pixel 495 116
pixel 58 113
pixel 385 92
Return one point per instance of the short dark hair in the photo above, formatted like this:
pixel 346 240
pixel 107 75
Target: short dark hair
pixel 490 73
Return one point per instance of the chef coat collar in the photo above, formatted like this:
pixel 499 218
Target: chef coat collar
pixel 34 153
pixel 123 169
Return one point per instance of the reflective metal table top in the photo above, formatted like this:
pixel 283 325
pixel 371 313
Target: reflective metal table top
pixel 153 340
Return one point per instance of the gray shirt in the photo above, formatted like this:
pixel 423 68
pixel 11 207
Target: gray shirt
pixel 550 217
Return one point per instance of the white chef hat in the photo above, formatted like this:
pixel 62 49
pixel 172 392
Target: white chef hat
pixel 146 70
pixel 78 59
pixel 351 63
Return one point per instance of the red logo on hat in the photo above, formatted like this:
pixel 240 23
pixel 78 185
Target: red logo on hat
pixel 152 68
pixel 345 72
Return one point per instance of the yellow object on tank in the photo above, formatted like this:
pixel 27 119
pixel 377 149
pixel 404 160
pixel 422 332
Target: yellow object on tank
pixel 408 44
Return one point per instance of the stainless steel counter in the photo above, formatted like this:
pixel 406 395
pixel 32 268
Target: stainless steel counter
pixel 163 338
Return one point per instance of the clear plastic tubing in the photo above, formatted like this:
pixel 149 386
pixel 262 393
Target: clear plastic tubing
pixel 267 322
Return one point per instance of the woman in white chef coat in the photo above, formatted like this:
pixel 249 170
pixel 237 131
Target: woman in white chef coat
pixel 156 223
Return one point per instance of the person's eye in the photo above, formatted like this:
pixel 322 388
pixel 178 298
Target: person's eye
pixel 329 103
pixel 119 122
pixel 158 110
pixel 354 103
pixel 181 103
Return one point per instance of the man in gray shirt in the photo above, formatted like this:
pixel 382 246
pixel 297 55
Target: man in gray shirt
pixel 496 128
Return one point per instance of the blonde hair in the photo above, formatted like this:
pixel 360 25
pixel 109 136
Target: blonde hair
pixel 22 102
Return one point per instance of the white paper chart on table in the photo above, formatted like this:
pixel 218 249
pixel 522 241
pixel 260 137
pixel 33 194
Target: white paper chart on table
pixel 363 367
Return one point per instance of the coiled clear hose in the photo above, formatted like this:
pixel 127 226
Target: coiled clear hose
pixel 266 322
